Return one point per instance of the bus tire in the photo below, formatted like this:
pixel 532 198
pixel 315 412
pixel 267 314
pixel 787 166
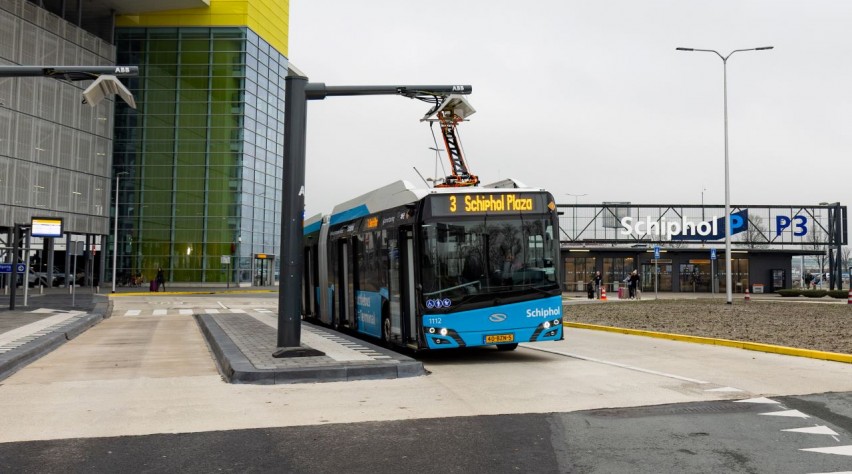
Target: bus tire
pixel 386 330
pixel 386 324
pixel 507 347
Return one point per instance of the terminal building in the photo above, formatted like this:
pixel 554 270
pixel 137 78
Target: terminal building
pixel 197 163
pixel 684 246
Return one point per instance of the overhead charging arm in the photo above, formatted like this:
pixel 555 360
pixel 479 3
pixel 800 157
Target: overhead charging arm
pixel 449 113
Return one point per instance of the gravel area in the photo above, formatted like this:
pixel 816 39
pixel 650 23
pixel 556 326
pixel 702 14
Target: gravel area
pixel 823 326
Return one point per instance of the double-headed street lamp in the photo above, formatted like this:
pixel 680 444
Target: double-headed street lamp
pixel 729 292
pixel 115 230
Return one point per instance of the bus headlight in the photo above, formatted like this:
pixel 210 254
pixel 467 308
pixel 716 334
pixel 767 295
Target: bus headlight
pixel 443 331
pixel 546 324
pixel 431 330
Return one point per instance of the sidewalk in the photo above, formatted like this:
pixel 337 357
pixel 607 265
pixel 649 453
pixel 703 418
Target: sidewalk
pixel 49 320
pixel 241 343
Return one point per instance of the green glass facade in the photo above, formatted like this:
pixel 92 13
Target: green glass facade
pixel 202 154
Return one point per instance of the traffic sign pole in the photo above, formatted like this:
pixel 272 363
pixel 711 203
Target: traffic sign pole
pixel 656 268
pixel 14 280
pixel 26 277
pixel 713 282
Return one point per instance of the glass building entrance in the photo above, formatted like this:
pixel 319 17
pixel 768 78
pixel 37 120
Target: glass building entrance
pixel 664 275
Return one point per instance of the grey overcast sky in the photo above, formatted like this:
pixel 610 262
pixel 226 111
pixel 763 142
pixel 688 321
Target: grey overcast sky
pixel 586 97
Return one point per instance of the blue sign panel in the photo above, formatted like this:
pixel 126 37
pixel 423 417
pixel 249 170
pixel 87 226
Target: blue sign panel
pixel 657 251
pixel 712 254
pixel 7 268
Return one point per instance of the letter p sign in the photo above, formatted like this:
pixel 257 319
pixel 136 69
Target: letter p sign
pixel 736 223
pixel 781 223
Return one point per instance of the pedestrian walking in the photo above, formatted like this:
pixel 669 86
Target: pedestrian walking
pixel 598 280
pixel 633 284
pixel 161 279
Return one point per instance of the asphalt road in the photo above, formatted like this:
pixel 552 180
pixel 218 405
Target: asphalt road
pixel 141 394
pixel 721 436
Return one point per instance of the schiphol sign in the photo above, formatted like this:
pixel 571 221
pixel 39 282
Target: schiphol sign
pixel 685 229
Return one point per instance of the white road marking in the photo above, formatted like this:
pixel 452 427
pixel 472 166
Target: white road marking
pixel 841 450
pixel 787 413
pixel 723 389
pixel 263 310
pixel 616 364
pixel 222 305
pixel 133 312
pixel 757 400
pixel 240 311
pixel 820 429
pixel 160 312
pixel 186 312
pixel 211 311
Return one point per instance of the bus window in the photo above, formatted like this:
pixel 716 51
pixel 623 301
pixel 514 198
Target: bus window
pixel 469 258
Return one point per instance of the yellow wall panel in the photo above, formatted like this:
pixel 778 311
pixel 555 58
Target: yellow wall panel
pixel 268 18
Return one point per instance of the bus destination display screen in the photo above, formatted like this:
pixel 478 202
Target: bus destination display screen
pixel 487 203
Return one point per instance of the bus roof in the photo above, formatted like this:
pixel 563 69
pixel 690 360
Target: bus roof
pixel 400 193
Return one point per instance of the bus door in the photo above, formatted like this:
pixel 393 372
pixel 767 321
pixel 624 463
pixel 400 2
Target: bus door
pixel 407 303
pixel 345 284
pixel 309 284
pixel 394 288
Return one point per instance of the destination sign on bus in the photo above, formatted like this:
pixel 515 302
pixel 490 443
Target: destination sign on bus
pixel 486 203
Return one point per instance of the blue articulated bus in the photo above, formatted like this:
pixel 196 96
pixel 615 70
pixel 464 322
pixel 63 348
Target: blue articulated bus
pixel 437 268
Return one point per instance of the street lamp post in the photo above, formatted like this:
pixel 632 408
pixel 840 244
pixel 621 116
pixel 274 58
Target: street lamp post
pixel 728 290
pixel 575 212
pixel 115 230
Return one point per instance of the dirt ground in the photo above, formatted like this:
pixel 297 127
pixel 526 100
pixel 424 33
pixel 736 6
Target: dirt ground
pixel 801 324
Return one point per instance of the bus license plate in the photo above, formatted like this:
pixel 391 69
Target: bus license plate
pixel 495 338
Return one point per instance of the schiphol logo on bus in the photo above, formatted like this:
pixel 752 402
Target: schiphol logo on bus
pixel 543 312
pixel 685 229
pixel 498 317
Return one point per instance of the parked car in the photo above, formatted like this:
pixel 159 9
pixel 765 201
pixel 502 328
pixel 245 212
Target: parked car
pixel 40 278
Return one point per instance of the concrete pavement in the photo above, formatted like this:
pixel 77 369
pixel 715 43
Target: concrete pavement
pixel 242 344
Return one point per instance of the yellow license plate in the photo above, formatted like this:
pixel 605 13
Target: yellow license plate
pixel 496 338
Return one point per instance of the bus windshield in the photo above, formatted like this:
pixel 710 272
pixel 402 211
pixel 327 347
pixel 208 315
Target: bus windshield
pixel 468 260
